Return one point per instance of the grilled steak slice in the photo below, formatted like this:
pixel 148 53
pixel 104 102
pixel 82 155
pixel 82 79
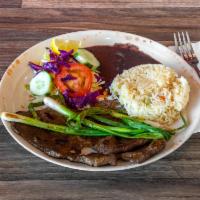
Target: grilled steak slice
pixel 144 153
pixel 52 143
pixel 109 145
pixel 95 160
pixel 55 145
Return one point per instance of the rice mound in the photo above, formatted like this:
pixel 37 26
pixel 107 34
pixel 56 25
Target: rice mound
pixel 152 92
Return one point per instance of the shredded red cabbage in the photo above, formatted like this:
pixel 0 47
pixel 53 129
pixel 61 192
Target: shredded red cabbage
pixel 80 102
pixel 51 67
pixel 52 55
pixel 63 59
pixel 68 78
pixel 34 66
pixel 65 55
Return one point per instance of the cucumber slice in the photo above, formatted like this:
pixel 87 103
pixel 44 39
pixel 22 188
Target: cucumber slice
pixel 41 84
pixel 87 58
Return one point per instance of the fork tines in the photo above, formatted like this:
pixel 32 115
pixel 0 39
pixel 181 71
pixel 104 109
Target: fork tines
pixel 184 46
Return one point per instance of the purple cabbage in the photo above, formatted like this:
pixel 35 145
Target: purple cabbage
pixel 35 67
pixel 51 67
pixel 69 77
pixel 65 55
pixel 52 55
pixel 91 98
pixel 63 59
pixel 80 102
pixel 63 63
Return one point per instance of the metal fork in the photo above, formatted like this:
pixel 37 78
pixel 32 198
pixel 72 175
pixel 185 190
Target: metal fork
pixel 184 48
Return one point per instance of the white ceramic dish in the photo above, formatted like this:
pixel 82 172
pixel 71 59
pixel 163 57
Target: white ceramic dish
pixel 14 97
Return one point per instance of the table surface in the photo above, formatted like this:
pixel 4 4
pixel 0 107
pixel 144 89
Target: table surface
pixel 24 176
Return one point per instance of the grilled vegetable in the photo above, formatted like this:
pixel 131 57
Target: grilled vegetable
pixel 125 128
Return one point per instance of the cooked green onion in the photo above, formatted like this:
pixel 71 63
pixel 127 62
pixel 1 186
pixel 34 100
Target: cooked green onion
pixel 32 106
pixel 127 127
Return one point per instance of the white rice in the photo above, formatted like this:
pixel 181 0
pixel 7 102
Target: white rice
pixel 152 92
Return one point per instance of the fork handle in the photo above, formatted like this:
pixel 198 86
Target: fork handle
pixel 194 66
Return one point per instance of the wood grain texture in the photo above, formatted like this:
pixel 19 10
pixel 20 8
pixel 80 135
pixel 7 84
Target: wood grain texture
pixel 109 4
pixel 90 190
pixel 26 177
pixel 10 3
pixel 156 24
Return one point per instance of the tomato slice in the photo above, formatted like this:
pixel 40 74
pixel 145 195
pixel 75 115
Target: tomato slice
pixel 81 82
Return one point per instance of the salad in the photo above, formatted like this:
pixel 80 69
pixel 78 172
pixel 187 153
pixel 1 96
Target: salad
pixel 69 73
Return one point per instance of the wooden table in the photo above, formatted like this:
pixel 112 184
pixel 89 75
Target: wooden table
pixel 24 176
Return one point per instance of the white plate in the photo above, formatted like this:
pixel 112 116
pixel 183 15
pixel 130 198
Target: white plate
pixel 14 97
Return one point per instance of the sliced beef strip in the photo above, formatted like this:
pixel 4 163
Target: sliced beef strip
pixel 54 144
pixel 109 145
pixel 144 153
pixel 95 160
